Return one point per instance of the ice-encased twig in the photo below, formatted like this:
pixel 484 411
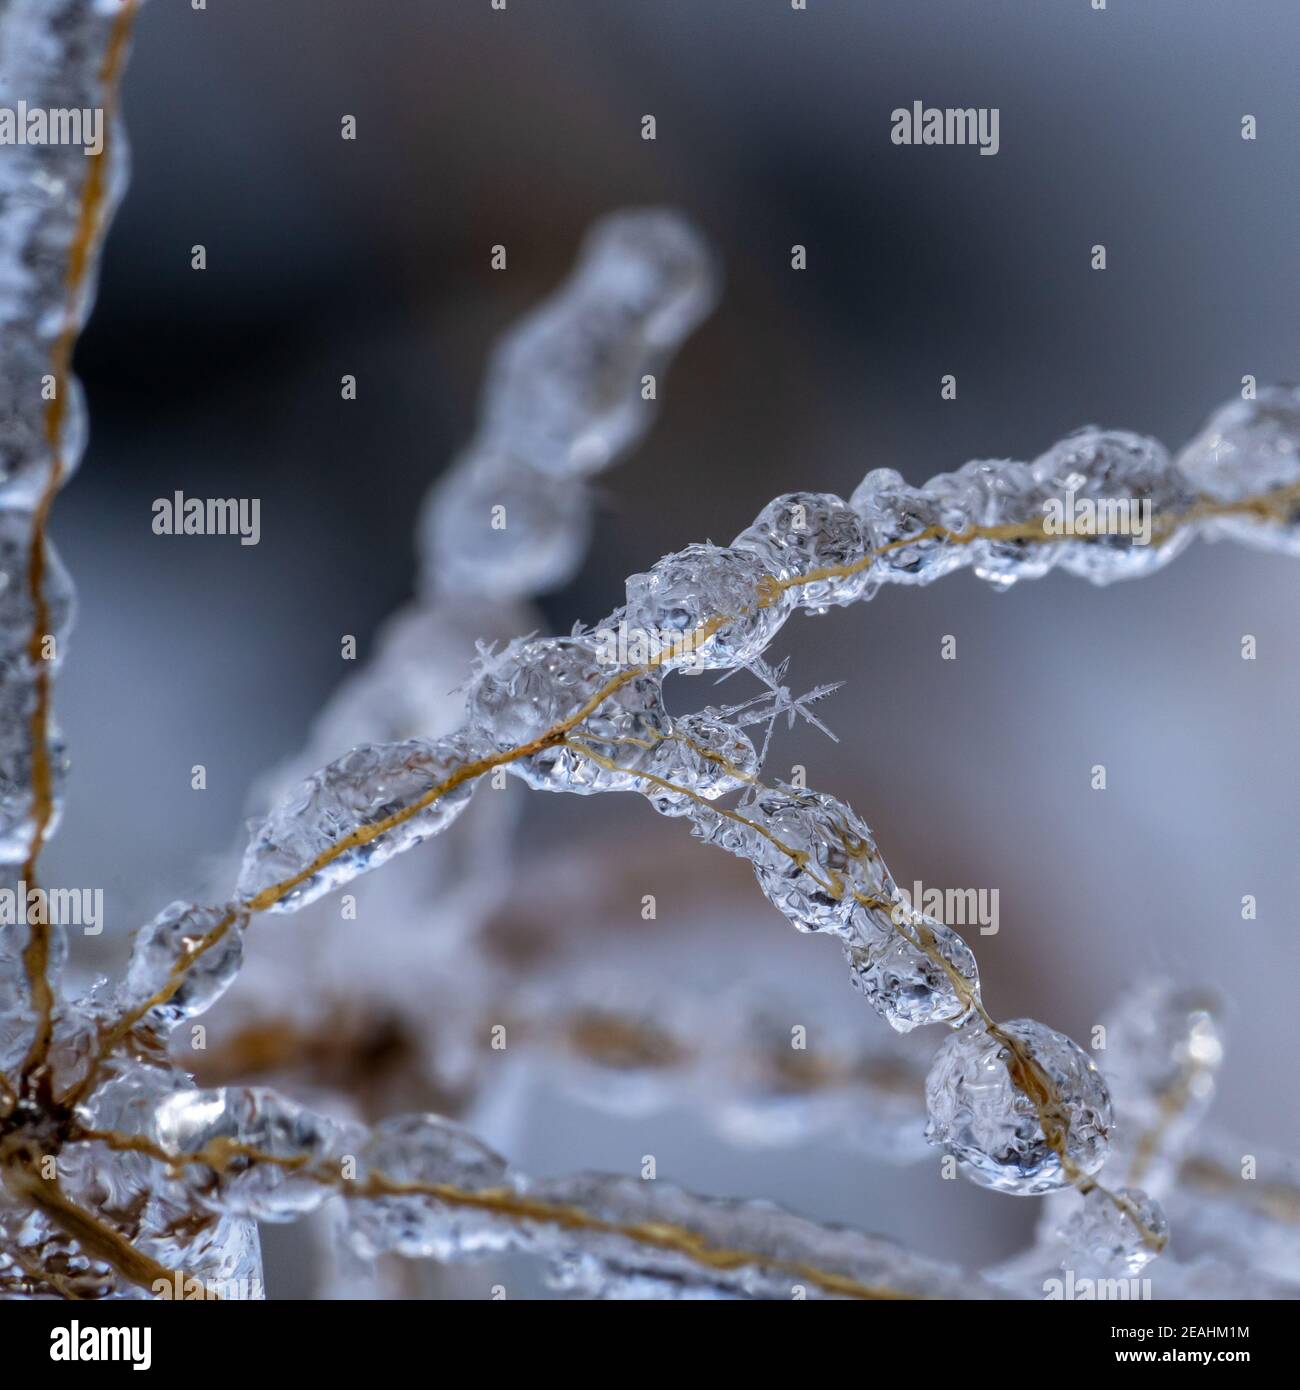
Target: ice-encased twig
pixel 422 1187
pixel 798 566
pixel 728 604
pixel 55 201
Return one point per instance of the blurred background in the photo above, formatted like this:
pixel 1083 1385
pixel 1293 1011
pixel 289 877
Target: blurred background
pixel 477 127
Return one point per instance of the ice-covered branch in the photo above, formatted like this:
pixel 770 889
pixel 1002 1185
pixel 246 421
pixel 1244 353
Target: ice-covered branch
pixel 421 1187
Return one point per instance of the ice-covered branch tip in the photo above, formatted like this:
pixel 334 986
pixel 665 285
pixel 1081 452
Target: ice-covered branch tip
pixel 569 390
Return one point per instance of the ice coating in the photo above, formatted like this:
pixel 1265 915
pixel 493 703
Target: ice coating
pixel 352 797
pixel 979 1114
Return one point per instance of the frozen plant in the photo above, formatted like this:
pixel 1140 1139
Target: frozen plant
pixel 120 1176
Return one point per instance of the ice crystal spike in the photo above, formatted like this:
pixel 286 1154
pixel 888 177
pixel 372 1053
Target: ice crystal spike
pixel 351 796
pixel 802 532
pixel 671 603
pixel 995 1127
pixel 533 686
pixel 1108 1238
pixel 175 946
pixel 907 983
pixel 157 1176
pixel 1249 448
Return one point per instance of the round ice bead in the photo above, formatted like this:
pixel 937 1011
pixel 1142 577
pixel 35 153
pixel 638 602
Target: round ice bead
pixel 17 822
pixel 533 686
pixel 17 614
pixel 1249 449
pixel 25 453
pixel 669 604
pixel 816 863
pixel 892 513
pixel 904 978
pixel 1111 489
pixel 163 945
pixel 1109 1237
pixel 1163 1047
pixel 705 755
pixel 803 532
pixel 245 1129
pixel 1008 495
pixel 981 1110
pixel 494 526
